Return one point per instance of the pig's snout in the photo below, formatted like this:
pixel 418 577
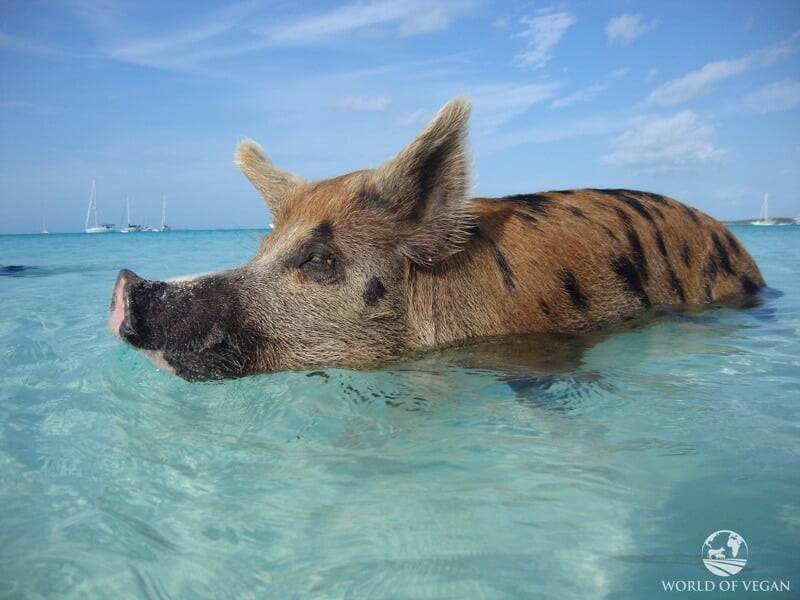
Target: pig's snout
pixel 123 321
pixel 118 319
pixel 192 328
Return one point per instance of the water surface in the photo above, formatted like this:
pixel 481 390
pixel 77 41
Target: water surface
pixel 524 468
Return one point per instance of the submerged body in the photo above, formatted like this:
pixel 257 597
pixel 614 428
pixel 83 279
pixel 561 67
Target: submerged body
pixel 369 266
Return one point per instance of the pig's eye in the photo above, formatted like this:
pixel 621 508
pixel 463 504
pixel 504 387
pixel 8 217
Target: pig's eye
pixel 321 267
pixel 321 259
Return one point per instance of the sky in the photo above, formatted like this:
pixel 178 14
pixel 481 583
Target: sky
pixel 698 100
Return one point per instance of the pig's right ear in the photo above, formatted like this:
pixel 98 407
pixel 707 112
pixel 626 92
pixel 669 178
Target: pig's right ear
pixel 273 184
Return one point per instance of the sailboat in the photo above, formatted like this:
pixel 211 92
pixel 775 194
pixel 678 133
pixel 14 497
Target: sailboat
pixel 164 226
pixel 97 227
pixel 129 227
pixel 44 225
pixel 763 218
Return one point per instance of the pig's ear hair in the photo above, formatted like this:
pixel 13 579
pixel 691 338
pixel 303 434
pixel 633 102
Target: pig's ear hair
pixel 427 185
pixel 273 184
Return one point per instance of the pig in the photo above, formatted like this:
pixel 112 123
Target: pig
pixel 374 265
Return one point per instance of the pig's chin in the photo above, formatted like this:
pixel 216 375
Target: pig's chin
pixel 156 357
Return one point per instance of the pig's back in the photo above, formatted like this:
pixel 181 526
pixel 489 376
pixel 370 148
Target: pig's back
pixel 575 260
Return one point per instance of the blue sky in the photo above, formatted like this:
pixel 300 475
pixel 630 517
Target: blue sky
pixel 697 100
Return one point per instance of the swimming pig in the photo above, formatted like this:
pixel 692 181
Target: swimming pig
pixel 366 267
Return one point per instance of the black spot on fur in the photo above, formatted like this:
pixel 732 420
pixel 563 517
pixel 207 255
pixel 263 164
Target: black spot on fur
pixel 372 200
pixel 636 205
pixel 711 268
pixel 733 244
pixel 662 247
pixel 626 270
pixel 674 282
pixel 374 291
pixel 710 273
pixel 544 306
pixel 655 209
pixel 505 269
pixel 536 203
pixel 576 295
pixel 620 193
pixel 691 213
pixel 722 254
pixel 323 231
pixel 748 285
pixel 624 217
pixel 526 217
pixel 677 286
pixel 637 253
pixel 656 198
pixel 613 192
pixel 685 254
pixel 637 250
pixel 578 212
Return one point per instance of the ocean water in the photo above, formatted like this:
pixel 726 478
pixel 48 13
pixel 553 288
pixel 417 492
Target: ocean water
pixel 523 468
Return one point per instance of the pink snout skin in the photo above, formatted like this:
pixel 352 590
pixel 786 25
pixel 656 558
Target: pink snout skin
pixel 117 314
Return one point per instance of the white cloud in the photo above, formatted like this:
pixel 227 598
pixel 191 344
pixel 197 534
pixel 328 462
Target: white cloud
pixel 697 83
pixel 433 16
pixel 246 27
pixel 627 28
pixel 412 18
pixel 552 131
pixel 664 145
pixel 774 97
pixel 497 103
pixel 361 104
pixel 583 95
pixel 184 46
pixel 543 32
pixel 780 50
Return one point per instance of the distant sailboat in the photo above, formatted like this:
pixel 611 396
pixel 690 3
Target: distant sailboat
pixel 44 225
pixel 763 218
pixel 164 226
pixel 129 227
pixel 97 227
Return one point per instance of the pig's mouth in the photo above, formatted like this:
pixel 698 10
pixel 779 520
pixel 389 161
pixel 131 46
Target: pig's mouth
pixel 188 329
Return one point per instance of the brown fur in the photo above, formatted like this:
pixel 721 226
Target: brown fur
pixel 369 266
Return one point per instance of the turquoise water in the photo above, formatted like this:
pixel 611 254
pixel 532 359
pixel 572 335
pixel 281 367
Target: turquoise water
pixel 526 468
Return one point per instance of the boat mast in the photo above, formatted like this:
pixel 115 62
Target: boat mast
pixel 92 201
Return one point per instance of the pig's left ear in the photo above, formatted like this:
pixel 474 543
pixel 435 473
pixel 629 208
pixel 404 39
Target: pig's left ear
pixel 273 184
pixel 427 185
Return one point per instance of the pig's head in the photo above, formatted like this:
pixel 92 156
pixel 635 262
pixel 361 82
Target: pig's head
pixel 330 285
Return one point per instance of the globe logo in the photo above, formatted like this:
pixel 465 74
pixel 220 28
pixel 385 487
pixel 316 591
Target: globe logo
pixel 725 553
